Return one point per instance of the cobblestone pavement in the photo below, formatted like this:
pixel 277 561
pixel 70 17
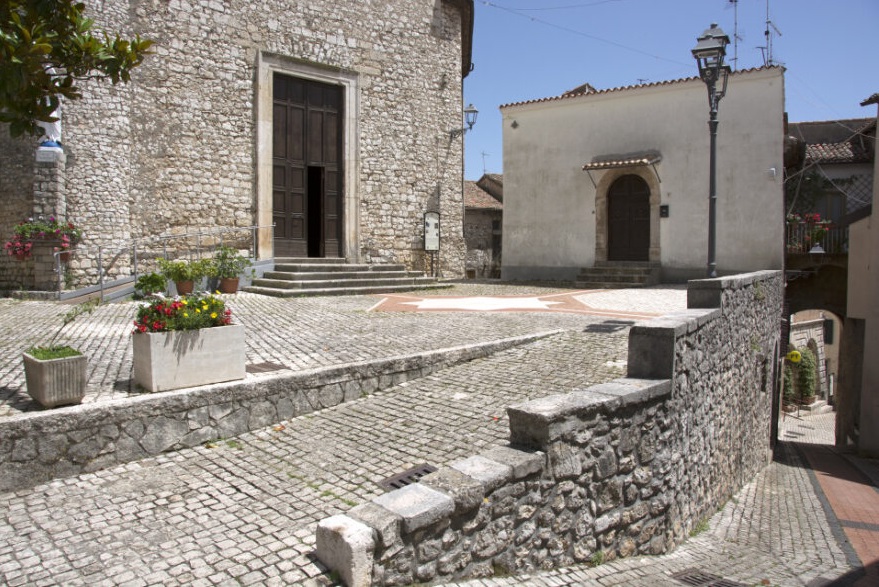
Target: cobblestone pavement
pixel 298 333
pixel 242 511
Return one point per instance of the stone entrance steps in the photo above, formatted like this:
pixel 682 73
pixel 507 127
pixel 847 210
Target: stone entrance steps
pixel 295 277
pixel 618 274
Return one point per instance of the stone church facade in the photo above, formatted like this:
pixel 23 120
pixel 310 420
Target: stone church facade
pixel 329 120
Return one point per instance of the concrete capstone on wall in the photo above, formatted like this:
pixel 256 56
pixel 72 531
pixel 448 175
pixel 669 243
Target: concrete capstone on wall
pixel 614 470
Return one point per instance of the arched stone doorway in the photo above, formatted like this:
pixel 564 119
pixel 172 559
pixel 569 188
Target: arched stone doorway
pixel 629 187
pixel 628 219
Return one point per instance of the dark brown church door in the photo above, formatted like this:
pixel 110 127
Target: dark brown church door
pixel 628 220
pixel 307 168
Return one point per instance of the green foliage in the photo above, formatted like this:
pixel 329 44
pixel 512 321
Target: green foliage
pixel 228 263
pixel 788 383
pixel 48 353
pixel 186 313
pixel 43 352
pixel 184 270
pixel 46 49
pixel 597 558
pixel 700 527
pixel 149 283
pixel 807 374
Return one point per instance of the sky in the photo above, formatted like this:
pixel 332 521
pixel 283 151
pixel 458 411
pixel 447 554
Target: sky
pixel 528 49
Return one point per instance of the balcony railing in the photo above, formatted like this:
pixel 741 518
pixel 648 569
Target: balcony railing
pixel 803 238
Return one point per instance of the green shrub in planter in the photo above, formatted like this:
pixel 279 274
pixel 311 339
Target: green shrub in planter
pixel 149 284
pixel 807 377
pixel 228 263
pixel 178 271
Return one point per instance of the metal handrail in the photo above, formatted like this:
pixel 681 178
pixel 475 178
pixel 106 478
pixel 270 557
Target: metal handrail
pixel 802 238
pixel 163 241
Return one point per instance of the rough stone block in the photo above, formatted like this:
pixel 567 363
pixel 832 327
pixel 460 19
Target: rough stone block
pixel 522 462
pixel 385 523
pixel 467 492
pixel 488 472
pixel 346 546
pixel 418 505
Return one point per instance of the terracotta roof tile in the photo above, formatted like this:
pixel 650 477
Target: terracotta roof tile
pixel 476 198
pixel 846 152
pixel 593 92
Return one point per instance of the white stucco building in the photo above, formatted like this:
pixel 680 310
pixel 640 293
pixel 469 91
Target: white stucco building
pixel 622 176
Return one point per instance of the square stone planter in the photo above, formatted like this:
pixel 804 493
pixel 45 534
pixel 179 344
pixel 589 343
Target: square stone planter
pixel 188 358
pixel 56 382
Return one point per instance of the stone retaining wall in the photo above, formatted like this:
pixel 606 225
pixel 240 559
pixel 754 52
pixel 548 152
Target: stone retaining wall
pixel 39 446
pixel 624 468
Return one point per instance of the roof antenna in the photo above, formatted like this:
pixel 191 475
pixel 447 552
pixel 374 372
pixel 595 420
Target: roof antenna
pixel 770 28
pixel 736 36
pixel 484 155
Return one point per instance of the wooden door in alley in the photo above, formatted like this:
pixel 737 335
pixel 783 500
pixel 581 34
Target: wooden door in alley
pixel 628 220
pixel 307 167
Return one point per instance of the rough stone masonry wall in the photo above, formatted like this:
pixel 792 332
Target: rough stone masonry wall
pixel 176 149
pixel 66 441
pixel 619 469
pixel 16 190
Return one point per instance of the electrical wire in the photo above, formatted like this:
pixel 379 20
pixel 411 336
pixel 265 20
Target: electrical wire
pixel 518 12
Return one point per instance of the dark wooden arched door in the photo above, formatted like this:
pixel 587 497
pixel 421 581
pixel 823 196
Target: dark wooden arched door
pixel 628 220
pixel 307 168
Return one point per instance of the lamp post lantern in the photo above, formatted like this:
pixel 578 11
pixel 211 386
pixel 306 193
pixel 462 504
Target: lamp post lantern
pixel 709 54
pixel 470 114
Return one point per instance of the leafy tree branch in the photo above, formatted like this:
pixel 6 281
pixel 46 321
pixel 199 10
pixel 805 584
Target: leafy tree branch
pixel 46 48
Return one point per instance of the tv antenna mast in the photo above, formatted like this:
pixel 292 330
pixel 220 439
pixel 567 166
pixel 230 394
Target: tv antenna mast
pixel 736 36
pixel 770 29
pixel 484 155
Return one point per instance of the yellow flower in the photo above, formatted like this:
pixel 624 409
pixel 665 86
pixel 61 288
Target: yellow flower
pixel 197 311
pixel 213 314
pixel 186 314
pixel 183 301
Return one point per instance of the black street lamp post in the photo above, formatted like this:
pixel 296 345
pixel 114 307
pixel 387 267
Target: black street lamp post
pixel 709 54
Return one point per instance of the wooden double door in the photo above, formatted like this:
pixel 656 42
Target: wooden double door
pixel 307 167
pixel 628 220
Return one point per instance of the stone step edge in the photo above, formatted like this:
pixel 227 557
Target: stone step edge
pixel 342 291
pixel 89 437
pixel 342 275
pixel 337 283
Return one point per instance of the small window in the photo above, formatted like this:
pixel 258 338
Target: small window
pixel 828 331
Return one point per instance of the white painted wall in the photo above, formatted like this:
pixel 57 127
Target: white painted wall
pixel 863 291
pixel 549 201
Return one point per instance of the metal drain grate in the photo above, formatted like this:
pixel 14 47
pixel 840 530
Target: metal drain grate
pixel 697 578
pixel 407 477
pixel 264 368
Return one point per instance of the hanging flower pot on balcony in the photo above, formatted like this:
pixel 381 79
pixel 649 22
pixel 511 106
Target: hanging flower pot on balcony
pixel 186 342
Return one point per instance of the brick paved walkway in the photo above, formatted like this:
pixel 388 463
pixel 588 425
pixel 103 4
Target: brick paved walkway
pixel 242 511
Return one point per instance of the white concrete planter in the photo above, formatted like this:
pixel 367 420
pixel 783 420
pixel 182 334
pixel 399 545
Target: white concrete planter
pixel 56 382
pixel 188 358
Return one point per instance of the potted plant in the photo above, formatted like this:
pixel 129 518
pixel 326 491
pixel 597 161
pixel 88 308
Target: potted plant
pixel 149 284
pixel 185 342
pixel 31 230
pixel 184 274
pixel 18 248
pixel 56 374
pixel 227 265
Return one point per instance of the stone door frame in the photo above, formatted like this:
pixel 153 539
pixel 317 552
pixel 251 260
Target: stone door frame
pixel 601 217
pixel 267 65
